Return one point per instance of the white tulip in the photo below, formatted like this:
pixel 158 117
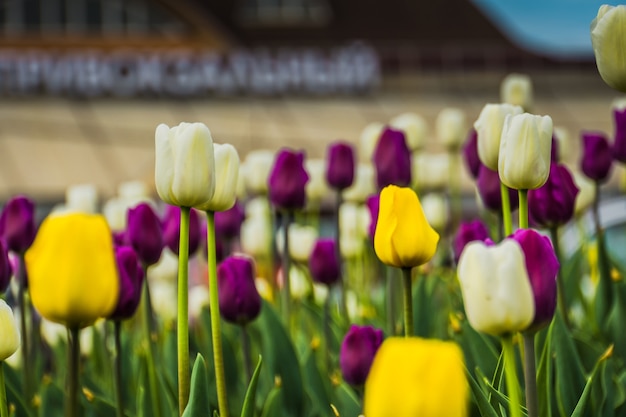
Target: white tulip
pixel 301 241
pixel 82 198
pixel 586 193
pixel 489 129
pixel 258 166
pixel 565 146
pixel 53 333
pixel 354 228
pixel 608 39
pixel 414 127
pixel 226 174
pixel 317 187
pixel 166 269
pixel 136 191
pixel 256 235
pixel 430 171
pixel 369 139
pixel 435 206
pixel 451 127
pixel 115 211
pixel 185 164
pixel 517 89
pixel 10 340
pixel 198 299
pixel 163 297
pixel 363 186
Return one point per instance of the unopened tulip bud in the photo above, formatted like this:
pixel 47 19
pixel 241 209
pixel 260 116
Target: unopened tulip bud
pixel 619 136
pixel 431 171
pixel 609 43
pixel 517 89
pixel 340 166
pixel 239 299
pixel 392 159
pixel 256 235
pixel 323 263
pixel 488 185
pixel 364 184
pixel 258 165
pixel 10 340
pixel 468 232
pixel 316 188
pixel 586 194
pixel 369 140
pixel 436 210
pixel 228 223
pixel 287 180
pixel 17 224
pixel 82 198
pixel 144 233
pixel 489 129
pixel 552 204
pixel 451 127
pixel 131 278
pixel 597 159
pixel 226 174
pixel 301 241
pixel 414 128
pixel 114 211
pixel 171 229
pixel 357 353
pixel 470 154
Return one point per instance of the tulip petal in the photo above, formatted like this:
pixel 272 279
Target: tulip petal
pixel 608 37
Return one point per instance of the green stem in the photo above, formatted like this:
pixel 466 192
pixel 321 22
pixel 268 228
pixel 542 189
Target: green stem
pixel 245 347
pixel 523 209
pixel 286 292
pixel 4 411
pixel 117 325
pixel 342 276
pixel 408 302
pixel 216 332
pixel 183 313
pixel 506 210
pixel 150 335
pixel 560 285
pixel 530 375
pixel 390 302
pixel 25 349
pixel 327 335
pixel 73 357
pixel 512 382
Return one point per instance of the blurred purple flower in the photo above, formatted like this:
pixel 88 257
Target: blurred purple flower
pixel 597 156
pixel 392 159
pixel 144 233
pixel 287 180
pixel 470 154
pixel 17 224
pixel 468 232
pixel 357 353
pixel 340 165
pixel 373 205
pixel 488 184
pixel 131 277
pixel 552 204
pixel 619 142
pixel 239 299
pixel 323 262
pixel 171 229
pixel 6 271
pixel 228 223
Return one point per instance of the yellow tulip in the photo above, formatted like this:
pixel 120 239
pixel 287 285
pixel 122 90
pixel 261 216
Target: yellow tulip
pixel 403 236
pixel 413 377
pixel 72 271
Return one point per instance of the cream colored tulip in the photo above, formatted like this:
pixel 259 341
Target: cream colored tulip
pixel 185 164
pixel 489 129
pixel 226 175
pixel 414 127
pixel 524 160
pixel 136 191
pixel 586 193
pixel 82 198
pixel 436 210
pixel 256 235
pixel 354 227
pixel 317 187
pixel 451 127
pixel 369 139
pixel 430 171
pixel 258 166
pixel 114 211
pixel 496 289
pixel 363 186
pixel 517 89
pixel 564 143
pixel 608 38
pixel 10 340
pixel 301 241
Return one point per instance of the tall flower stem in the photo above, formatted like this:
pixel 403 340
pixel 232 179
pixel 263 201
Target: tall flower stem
pixel 560 285
pixel 286 291
pixel 4 411
pixel 506 210
pixel 408 302
pixel 117 326
pixel 523 209
pixel 342 276
pixel 327 334
pixel 530 375
pixel 245 347
pixel 24 315
pixel 512 382
pixel 150 335
pixel 216 331
pixel 73 357
pixel 604 294
pixel 183 312
pixel 390 302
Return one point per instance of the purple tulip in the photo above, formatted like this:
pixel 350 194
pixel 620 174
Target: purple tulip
pixel 287 180
pixel 144 233
pixel 619 143
pixel 468 232
pixel 6 270
pixel 488 184
pixel 542 266
pixel 340 165
pixel 120 238
pixel 373 204
pixel 357 353
pixel 239 299
pixel 130 274
pixel 17 224
pixel 555 151
pixel 228 223
pixel 323 262
pixel 552 204
pixel 392 159
pixel 171 229
pixel 597 156
pixel 470 154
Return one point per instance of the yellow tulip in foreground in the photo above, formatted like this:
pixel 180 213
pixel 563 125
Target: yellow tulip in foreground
pixel 403 237
pixel 413 377
pixel 72 272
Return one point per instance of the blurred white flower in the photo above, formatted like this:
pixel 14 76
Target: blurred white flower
pixel 264 288
pixel 133 192
pixel 430 171
pixel 115 211
pixel 299 283
pixel 364 184
pixel 414 127
pixel 82 198
pixel 354 228
pixel 163 297
pixel 369 140
pixel 301 241
pixel 586 193
pixel 451 127
pixel 435 206
pixel 517 89
pixel 564 144
pixel 256 236
pixel 198 299
pixel 166 269
pixel 317 187
pixel 258 166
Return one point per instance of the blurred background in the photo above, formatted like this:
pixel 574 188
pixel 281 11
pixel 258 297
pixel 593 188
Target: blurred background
pixel 84 83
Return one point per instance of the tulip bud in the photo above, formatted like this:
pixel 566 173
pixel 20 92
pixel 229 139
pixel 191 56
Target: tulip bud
pixel 392 159
pixel 68 248
pixel 403 236
pixel 524 159
pixel 489 129
pixel 413 377
pixel 226 174
pixel 114 210
pixel 133 192
pixel 552 204
pixel 199 299
pixel 488 185
pixel 287 180
pixel 468 232
pixel 357 353
pixel 561 139
pixel 451 127
pixel 131 281
pixel 369 139
pixel 162 295
pixel 542 267
pixel 82 198
pixel 144 233
pixel 517 89
pixel 609 43
pixel 301 241
pixel 470 154
pixel 353 225
pixel 340 165
pixel 586 195
pixel 619 137
pixel 323 263
pixel 430 171
pixel 239 299
pixel 373 206
pixel 363 186
pixel 10 340
pixel 316 188
pixel 17 224
pixel 414 128
pixel 597 158
pixel 436 210
pixel 171 229
pixel 228 223
pixel 256 236
pixel 496 290
pixel 185 164
pixel 6 270
pixel 258 167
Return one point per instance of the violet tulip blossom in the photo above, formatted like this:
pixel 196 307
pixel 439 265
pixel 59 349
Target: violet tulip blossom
pixel 597 157
pixel 171 229
pixel 373 205
pixel 470 154
pixel 323 262
pixel 17 224
pixel 239 300
pixel 131 278
pixel 468 232
pixel 228 223
pixel 357 353
pixel 144 233
pixel 392 159
pixel 488 184
pixel 6 270
pixel 340 165
pixel 287 180
pixel 619 138
pixel 552 204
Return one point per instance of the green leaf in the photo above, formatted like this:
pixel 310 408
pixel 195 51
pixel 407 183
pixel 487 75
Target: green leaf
pixel 273 403
pixel 581 405
pixel 347 403
pixel 497 398
pixel 198 397
pixel 479 349
pixel 485 408
pixel 314 383
pixel 14 392
pixel 52 398
pixel 545 387
pixel 249 401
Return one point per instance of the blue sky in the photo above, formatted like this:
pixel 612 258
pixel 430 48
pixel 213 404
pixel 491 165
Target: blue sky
pixel 555 27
